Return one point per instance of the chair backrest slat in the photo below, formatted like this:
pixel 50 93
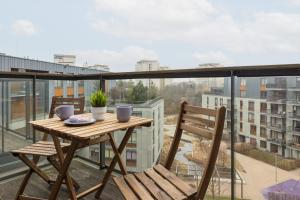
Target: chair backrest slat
pixel 196 119
pixel 204 123
pixel 58 101
pixel 200 110
pixel 202 132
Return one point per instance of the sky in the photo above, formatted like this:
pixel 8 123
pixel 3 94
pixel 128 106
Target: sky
pixel 177 33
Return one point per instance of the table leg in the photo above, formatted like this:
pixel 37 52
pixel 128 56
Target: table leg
pixel 114 161
pixel 117 154
pixel 63 172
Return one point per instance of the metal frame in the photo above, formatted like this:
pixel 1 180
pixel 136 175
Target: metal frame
pixel 232 72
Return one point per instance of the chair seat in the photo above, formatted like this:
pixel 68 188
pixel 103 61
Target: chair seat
pixel 155 183
pixel 41 148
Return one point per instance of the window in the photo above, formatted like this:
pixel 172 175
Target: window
pixel 263 107
pixel 241 127
pixel 251 106
pixel 216 101
pixel 241 116
pixel 133 138
pixel 131 157
pixel 263 94
pixel 253 141
pixel 251 117
pixel 263 144
pixel 221 102
pixel 263 132
pixel 252 129
pixel 263 120
pixel 241 104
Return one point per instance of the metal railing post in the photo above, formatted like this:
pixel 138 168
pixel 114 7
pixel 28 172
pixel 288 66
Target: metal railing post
pixel 102 144
pixel 2 115
pixel 33 106
pixel 232 138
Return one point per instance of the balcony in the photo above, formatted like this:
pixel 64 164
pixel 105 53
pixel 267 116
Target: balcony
pixel 277 114
pixel 86 167
pixel 276 86
pixel 276 127
pixel 294 116
pixel 276 100
pixel 276 140
pixel 293 102
pixel 263 123
pixel 87 173
pixel 294 130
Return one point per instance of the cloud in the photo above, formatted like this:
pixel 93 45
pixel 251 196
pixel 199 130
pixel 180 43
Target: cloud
pixel 199 23
pixel 23 27
pixel 294 2
pixel 212 57
pixel 117 60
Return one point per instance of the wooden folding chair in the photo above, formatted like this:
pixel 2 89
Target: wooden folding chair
pixel 158 182
pixel 46 148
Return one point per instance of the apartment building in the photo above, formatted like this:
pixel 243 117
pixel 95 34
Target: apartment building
pixel 152 65
pixel 16 94
pixel 144 146
pixel 267 112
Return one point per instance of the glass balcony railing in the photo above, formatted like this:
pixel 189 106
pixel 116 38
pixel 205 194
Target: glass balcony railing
pixel 246 145
pixel 276 113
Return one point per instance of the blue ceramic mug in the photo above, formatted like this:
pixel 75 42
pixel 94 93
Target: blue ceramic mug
pixel 64 111
pixel 124 112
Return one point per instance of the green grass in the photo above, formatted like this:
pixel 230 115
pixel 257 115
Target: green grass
pixel 268 157
pixel 218 198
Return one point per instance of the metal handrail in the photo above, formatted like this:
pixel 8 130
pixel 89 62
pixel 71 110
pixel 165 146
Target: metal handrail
pixel 239 71
pixel 229 72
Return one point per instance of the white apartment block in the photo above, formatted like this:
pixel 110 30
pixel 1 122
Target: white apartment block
pixel 144 146
pixel 151 65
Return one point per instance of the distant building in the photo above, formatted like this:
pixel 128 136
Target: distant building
pixel 267 112
pixel 152 65
pixel 144 146
pixel 65 59
pixel 209 83
pixel 17 92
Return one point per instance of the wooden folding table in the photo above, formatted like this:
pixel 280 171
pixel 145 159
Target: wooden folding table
pixel 84 136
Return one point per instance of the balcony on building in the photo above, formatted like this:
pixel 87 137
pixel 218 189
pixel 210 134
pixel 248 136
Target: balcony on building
pixel 277 83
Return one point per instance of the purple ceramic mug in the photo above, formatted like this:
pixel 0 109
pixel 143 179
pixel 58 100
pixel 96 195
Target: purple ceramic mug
pixel 124 112
pixel 64 111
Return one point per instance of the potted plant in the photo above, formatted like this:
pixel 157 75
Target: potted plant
pixel 98 101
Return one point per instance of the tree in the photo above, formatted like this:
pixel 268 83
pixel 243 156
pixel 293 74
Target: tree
pixel 138 93
pixel 152 92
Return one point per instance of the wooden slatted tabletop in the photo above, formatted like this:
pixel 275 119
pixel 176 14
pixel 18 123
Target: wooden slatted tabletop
pixel 57 127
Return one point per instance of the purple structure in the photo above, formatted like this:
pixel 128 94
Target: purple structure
pixel 287 190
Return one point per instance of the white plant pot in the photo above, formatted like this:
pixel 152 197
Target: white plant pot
pixel 98 112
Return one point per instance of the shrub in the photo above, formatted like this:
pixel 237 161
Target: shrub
pixel 267 157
